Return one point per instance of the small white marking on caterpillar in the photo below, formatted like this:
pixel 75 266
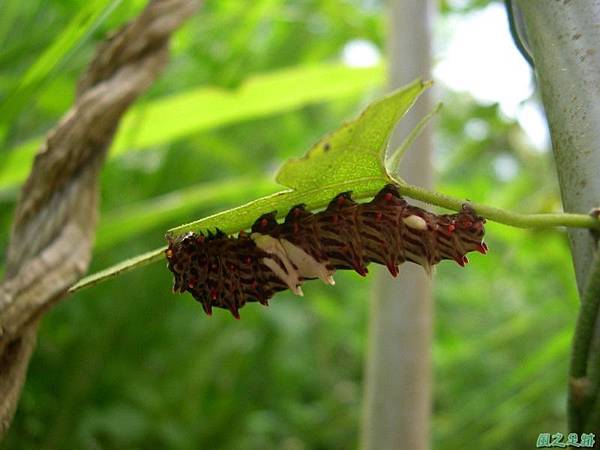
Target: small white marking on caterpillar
pixel 416 222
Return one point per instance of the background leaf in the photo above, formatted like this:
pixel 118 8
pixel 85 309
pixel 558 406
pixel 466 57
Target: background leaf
pixel 170 118
pixel 62 47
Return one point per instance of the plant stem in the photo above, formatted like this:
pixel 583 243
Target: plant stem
pixel 500 215
pixel 117 269
pixel 583 390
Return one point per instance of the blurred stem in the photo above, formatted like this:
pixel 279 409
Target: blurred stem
pixel 431 197
pixel 584 371
pixel 397 398
pixel 586 322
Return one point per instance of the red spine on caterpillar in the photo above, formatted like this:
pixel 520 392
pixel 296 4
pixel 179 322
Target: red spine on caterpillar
pixel 227 272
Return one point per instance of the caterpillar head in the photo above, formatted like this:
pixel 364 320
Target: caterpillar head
pixel 469 226
pixel 185 258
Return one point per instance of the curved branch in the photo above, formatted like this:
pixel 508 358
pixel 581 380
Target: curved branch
pixel 55 218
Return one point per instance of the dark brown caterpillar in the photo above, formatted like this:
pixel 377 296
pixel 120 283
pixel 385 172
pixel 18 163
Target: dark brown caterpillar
pixel 226 272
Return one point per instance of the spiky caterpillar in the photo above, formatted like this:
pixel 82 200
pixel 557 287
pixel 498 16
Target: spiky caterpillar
pixel 226 272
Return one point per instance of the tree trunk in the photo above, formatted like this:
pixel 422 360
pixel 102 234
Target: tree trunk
pixel 564 38
pixel 397 401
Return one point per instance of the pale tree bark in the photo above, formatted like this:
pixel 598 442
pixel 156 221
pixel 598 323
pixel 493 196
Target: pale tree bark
pixel 564 38
pixel 565 41
pixel 397 401
pixel 55 218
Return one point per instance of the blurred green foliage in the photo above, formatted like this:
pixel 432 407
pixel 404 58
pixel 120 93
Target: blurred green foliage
pixel 128 365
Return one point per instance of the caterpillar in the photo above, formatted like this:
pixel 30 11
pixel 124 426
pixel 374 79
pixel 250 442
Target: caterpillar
pixel 227 272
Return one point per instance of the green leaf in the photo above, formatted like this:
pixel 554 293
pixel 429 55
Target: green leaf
pixel 203 108
pixel 167 119
pixel 351 158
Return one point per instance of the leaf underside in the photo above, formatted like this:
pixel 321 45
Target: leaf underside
pixel 352 158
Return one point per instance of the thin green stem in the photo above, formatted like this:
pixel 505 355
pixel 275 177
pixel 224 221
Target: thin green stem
pixel 500 215
pixel 122 267
pixel 583 390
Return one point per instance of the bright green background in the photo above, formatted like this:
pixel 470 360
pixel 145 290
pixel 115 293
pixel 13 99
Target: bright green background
pixel 128 365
